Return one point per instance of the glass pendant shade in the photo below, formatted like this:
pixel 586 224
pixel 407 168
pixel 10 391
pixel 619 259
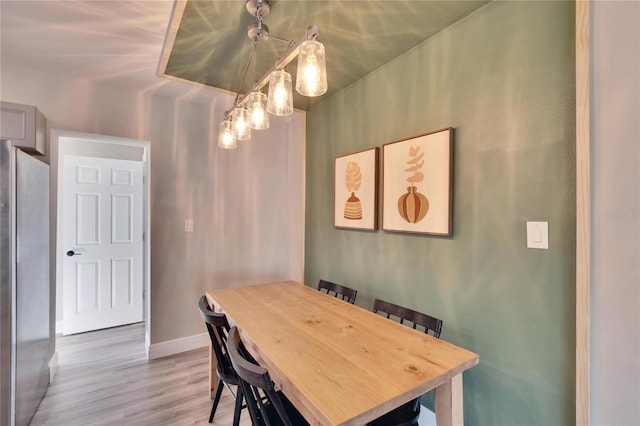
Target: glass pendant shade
pixel 240 124
pixel 226 138
pixel 280 101
pixel 311 79
pixel 257 111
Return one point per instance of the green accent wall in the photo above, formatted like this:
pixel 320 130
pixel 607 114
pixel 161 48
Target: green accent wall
pixel 503 78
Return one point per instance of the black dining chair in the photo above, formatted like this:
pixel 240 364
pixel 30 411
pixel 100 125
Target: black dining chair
pixel 218 328
pixel 427 322
pixel 337 290
pixel 271 409
pixel 408 413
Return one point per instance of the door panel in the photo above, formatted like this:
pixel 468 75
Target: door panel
pixel 88 174
pixel 88 219
pixel 103 235
pixel 87 286
pixel 121 177
pixel 121 218
pixel 121 282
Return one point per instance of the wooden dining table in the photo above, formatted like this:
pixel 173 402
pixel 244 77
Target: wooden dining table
pixel 340 364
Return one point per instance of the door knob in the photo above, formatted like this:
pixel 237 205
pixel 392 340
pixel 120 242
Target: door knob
pixel 73 253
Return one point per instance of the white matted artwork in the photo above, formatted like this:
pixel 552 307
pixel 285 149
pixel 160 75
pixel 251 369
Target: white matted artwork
pixel 417 184
pixel 355 190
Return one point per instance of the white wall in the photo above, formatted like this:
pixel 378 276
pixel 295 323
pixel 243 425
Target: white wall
pixel 247 204
pixel 615 286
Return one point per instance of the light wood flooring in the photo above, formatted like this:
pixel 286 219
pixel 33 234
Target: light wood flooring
pixel 103 378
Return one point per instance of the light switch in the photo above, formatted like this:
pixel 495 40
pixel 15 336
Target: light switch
pixel 538 235
pixel 188 225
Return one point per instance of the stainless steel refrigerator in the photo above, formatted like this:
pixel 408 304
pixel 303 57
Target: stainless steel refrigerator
pixel 24 295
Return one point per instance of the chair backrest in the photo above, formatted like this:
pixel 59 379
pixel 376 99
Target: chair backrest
pixel 218 328
pixel 344 293
pixel 253 379
pixel 406 314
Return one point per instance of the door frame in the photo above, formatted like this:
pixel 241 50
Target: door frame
pixel 60 143
pixel 583 213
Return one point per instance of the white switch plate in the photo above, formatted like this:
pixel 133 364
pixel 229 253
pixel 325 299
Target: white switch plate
pixel 538 235
pixel 188 225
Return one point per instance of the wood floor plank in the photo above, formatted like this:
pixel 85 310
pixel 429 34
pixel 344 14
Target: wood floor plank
pixel 103 378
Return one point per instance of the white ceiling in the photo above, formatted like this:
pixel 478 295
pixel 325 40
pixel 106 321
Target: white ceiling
pixel 113 41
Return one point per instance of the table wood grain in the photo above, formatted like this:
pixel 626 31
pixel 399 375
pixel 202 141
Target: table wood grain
pixel 338 363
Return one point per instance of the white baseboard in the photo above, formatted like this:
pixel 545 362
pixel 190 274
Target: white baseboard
pixel 59 326
pixel 176 346
pixel 53 366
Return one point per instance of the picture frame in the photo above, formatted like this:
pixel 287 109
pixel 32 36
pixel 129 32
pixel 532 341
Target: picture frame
pixel 417 184
pixel 355 183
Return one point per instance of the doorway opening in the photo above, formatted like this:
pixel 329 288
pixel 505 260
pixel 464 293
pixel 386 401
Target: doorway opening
pixel 114 198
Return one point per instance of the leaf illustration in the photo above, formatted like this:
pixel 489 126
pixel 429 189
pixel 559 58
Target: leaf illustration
pixel 414 167
pixel 415 163
pixel 414 160
pixel 353 176
pixel 417 177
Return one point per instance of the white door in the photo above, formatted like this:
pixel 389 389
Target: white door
pixel 102 236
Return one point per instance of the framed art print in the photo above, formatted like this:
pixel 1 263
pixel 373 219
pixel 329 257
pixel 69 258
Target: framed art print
pixel 417 184
pixel 355 190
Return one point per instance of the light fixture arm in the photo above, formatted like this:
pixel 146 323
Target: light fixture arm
pixel 244 74
pixel 246 68
pixel 312 80
pixel 284 40
pixel 312 33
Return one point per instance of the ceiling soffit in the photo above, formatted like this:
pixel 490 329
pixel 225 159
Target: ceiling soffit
pixel 207 41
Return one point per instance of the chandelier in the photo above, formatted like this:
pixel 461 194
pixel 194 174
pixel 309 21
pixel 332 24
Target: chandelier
pixel 250 111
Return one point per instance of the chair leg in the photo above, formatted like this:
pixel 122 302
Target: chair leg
pixel 216 400
pixel 238 409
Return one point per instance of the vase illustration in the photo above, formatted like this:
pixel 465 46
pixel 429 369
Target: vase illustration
pixel 413 206
pixel 353 180
pixel 353 208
